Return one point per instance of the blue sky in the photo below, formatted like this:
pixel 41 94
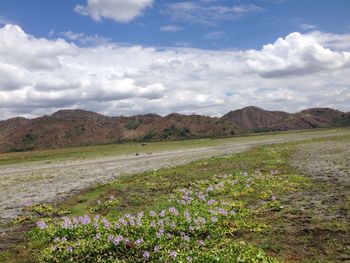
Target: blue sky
pixel 272 19
pixel 125 57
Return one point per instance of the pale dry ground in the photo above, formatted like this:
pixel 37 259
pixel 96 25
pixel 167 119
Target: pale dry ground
pixel 46 181
pixel 324 216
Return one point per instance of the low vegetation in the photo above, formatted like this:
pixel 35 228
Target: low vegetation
pixel 134 147
pixel 229 209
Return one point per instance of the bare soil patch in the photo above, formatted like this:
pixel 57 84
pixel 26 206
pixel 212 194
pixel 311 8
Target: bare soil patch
pixel 317 220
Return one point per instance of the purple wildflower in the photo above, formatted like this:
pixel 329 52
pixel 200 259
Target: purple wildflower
pixel 139 241
pixel 160 233
pixel 173 253
pixel 131 221
pixel 156 248
pixel 211 202
pixel 152 213
pixel 41 224
pixel 146 254
pixel 117 240
pixel 210 188
pixel 187 215
pixel 85 219
pixel 222 211
pixel 123 221
pixel 67 223
pixel 174 211
pixel 140 215
pixel 75 221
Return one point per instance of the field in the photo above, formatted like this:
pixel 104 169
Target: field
pixel 220 201
pixel 132 148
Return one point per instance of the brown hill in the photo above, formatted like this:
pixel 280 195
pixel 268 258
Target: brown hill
pixel 313 118
pixel 63 129
pixel 254 118
pixel 175 126
pixel 68 128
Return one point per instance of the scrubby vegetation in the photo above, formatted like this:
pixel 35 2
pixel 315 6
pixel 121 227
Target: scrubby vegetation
pixel 199 227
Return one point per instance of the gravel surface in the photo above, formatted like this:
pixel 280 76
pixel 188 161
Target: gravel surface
pixel 325 214
pixel 328 165
pixel 44 181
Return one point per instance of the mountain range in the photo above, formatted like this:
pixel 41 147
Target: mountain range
pixel 70 128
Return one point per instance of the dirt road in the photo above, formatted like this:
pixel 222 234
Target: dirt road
pixel 44 181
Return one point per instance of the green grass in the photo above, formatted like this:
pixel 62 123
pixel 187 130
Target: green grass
pixel 265 226
pixel 133 148
pixel 152 189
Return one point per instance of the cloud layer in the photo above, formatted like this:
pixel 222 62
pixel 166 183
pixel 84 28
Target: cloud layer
pixel 207 12
pixel 118 10
pixel 39 76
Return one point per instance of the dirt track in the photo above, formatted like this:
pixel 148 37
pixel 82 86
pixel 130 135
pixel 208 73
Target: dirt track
pixel 35 182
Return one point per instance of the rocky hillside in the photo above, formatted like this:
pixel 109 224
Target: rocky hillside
pixel 69 128
pixel 313 118
pixel 255 119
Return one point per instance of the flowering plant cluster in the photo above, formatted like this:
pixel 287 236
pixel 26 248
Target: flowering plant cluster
pixel 197 226
pixel 102 206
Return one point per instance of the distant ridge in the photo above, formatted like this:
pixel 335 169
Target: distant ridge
pixel 69 128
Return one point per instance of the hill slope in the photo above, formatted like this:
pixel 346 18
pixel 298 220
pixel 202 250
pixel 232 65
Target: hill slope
pixel 254 118
pixel 313 118
pixel 69 128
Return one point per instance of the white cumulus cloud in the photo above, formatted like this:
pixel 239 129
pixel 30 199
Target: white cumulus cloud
pixel 295 55
pixel 118 10
pixel 39 76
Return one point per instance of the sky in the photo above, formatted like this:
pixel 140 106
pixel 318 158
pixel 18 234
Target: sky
pixel 126 57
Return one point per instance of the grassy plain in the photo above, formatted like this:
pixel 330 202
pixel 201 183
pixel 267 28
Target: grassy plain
pixel 135 147
pixel 282 220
